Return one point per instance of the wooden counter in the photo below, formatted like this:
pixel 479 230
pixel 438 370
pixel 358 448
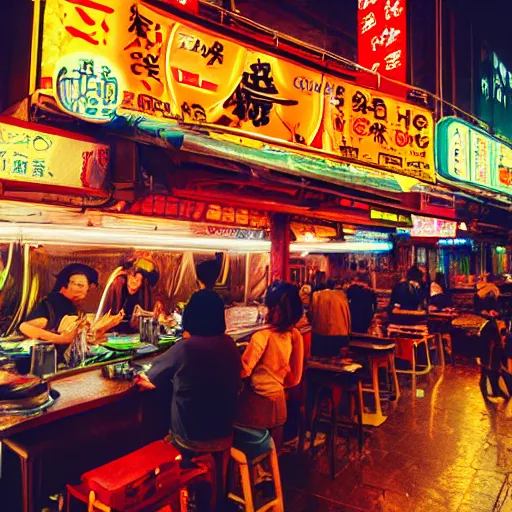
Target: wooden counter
pixel 78 393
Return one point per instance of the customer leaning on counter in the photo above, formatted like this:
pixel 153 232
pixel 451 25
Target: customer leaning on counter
pixel 272 361
pixel 204 376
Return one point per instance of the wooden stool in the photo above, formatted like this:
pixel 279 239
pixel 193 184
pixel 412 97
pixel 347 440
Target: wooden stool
pixel 334 385
pixel 250 449
pixel 378 358
pixel 408 339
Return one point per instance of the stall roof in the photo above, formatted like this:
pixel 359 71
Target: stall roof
pixel 268 154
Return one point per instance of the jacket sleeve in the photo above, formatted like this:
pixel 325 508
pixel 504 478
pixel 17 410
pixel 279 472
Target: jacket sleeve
pixel 296 360
pixel 253 352
pixel 164 367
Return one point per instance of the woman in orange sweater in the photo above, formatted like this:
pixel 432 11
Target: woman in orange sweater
pixel 273 361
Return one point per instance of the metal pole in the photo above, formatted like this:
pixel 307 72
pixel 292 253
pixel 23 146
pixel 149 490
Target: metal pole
pixel 472 73
pixel 34 49
pixel 441 54
pixel 452 56
pixel 437 58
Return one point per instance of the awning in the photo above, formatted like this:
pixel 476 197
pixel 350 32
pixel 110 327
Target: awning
pixel 172 135
pixel 302 167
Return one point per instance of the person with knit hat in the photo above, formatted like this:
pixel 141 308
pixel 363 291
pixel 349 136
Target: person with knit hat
pixel 71 288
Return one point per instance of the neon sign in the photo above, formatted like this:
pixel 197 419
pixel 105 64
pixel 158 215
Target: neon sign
pixel 50 157
pixel 87 87
pixel 382 37
pixel 429 227
pixel 468 154
pixel 455 242
pixel 390 217
pixel 153 63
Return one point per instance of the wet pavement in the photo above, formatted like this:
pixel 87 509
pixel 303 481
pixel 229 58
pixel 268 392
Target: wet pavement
pixel 446 451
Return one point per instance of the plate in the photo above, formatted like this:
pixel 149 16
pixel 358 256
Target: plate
pixel 122 346
pixel 165 339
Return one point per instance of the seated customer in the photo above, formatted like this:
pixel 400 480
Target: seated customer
pixel 362 302
pixel 439 295
pixel 272 362
pixel 207 273
pixel 408 294
pixel 329 314
pixel 204 372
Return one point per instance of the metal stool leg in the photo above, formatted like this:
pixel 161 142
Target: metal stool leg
pixel 333 439
pixel 392 368
pixel 359 410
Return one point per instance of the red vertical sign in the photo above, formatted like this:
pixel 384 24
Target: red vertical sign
pixel 382 37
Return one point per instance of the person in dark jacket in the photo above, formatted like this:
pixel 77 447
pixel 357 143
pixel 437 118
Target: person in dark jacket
pixel 409 295
pixel 202 375
pixel 204 371
pixel 440 297
pixel 362 302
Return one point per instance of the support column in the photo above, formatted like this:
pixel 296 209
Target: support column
pixel 280 247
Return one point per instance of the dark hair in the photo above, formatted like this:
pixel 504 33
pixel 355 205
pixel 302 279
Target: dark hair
pixel 74 269
pixel 331 284
pixel 414 274
pixel 353 266
pixel 363 277
pixel 208 272
pixel 440 279
pixel 284 304
pixel 143 266
pixel 204 314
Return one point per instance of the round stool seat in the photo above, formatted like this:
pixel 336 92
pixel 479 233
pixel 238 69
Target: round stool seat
pixel 251 442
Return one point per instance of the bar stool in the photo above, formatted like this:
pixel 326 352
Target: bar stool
pixel 380 356
pixel 330 386
pixel 252 448
pixel 408 339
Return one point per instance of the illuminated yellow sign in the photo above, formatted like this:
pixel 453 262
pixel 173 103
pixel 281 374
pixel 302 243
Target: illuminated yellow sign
pixel 105 58
pixel 50 157
pixel 390 217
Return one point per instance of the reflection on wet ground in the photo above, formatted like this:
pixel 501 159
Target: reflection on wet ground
pixel 448 451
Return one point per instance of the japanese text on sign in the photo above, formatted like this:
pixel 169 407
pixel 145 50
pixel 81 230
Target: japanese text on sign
pixel 470 155
pixel 34 156
pixel 161 66
pixel 382 37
